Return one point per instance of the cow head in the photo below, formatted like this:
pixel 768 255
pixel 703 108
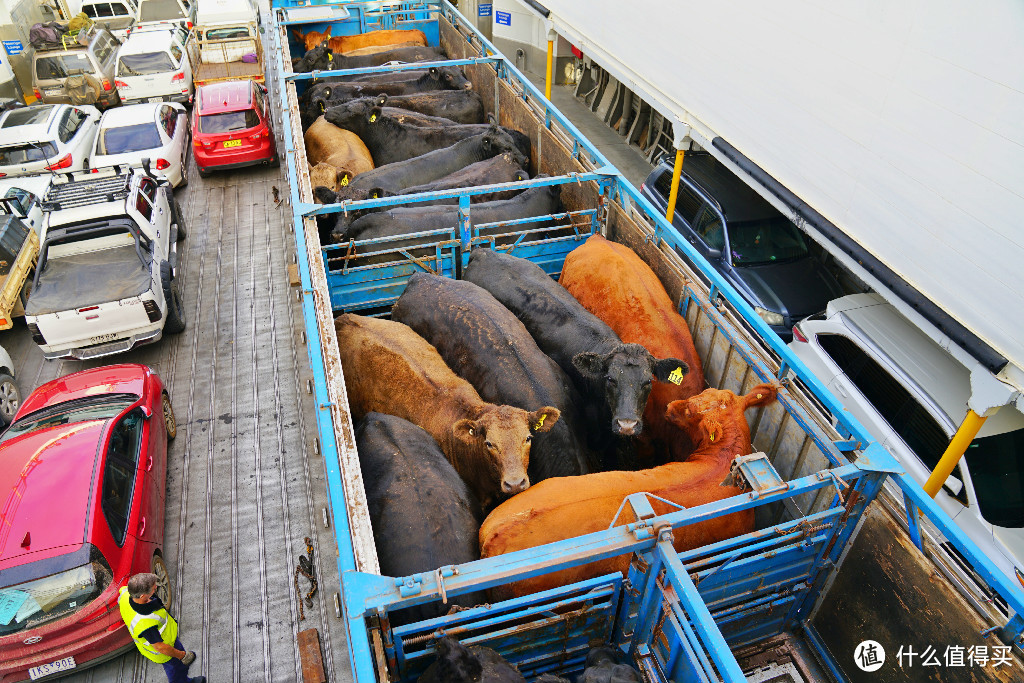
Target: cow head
pixel 317 59
pixel 325 175
pixel 497 141
pixel 502 434
pixel 312 38
pixel 626 375
pixel 450 78
pixel 354 115
pixel 715 416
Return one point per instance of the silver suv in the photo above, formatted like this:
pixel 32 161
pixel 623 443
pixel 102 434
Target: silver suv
pixel 77 73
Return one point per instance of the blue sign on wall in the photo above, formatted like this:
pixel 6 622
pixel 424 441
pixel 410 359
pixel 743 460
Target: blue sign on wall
pixel 13 47
pixel 504 18
pixel 484 10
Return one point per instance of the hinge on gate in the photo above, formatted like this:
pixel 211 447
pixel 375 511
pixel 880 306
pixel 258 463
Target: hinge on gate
pixel 755 473
pixel 409 585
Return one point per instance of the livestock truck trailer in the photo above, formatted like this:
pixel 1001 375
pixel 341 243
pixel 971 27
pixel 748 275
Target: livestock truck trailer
pixel 843 548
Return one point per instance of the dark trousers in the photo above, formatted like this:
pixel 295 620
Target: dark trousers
pixel 175 670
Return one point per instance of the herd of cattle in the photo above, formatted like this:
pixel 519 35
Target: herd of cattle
pixel 504 410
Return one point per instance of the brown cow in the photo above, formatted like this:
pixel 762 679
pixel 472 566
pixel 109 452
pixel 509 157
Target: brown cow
pixel 390 369
pixel 374 49
pixel 337 147
pixel 325 175
pixel 563 507
pixel 312 38
pixel 388 38
pixel 615 284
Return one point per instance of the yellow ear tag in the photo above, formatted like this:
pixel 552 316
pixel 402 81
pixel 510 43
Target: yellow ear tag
pixel 322 108
pixel 676 376
pixel 760 395
pixel 540 422
pixel 330 57
pixel 712 435
pixel 373 118
pixel 344 181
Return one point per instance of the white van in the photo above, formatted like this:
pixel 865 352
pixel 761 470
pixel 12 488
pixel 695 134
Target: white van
pixel 117 16
pixel 226 29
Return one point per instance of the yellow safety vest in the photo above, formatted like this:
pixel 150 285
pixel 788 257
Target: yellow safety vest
pixel 137 623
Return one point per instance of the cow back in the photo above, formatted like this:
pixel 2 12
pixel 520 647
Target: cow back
pixel 422 514
pixel 340 148
pixel 384 38
pixel 485 344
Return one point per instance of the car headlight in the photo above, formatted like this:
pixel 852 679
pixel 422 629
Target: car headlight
pixel 770 317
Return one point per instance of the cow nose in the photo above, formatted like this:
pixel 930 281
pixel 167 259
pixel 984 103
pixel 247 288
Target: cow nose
pixel 517 487
pixel 468 86
pixel 627 427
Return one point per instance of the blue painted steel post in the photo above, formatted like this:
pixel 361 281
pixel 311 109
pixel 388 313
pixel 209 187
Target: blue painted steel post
pixel 465 235
pixel 912 525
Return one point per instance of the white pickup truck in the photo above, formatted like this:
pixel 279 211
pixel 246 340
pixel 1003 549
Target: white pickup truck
pixel 105 281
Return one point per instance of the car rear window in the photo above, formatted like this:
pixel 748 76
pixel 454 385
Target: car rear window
pixel 227 33
pixel 160 10
pixel 29 116
pixel 997 467
pixel 228 121
pixel 106 9
pixel 62 66
pixel 144 64
pixel 21 154
pixel 123 139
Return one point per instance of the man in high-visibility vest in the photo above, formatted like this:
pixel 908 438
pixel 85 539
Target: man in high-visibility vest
pixel 154 630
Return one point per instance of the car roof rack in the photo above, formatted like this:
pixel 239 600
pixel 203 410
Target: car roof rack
pixel 86 189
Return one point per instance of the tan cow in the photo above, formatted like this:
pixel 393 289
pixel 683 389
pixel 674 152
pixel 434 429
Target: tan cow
pixel 328 145
pixel 374 49
pixel 325 175
pixel 392 370
pixel 615 284
pixel 564 507
pixel 312 38
pixel 388 38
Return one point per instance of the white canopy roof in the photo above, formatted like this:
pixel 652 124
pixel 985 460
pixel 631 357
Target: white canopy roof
pixel 898 120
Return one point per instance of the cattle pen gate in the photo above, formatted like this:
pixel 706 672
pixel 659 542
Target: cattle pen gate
pixel 830 564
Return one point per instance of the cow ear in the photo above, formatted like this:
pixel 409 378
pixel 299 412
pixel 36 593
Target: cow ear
pixel 465 430
pixel 543 419
pixel 434 71
pixel 677 413
pixel 761 395
pixel 327 33
pixel 670 370
pixel 298 36
pixel 374 114
pixel 382 99
pixel 377 193
pixel 343 177
pixel 522 175
pixel 327 92
pixel 589 364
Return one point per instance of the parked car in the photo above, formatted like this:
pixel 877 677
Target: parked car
pixel 106 277
pixel 23 196
pixel 46 137
pixel 78 74
pixel 117 16
pixel 757 249
pixel 10 395
pixel 96 441
pixel 158 132
pixel 232 126
pixel 182 12
pixel 911 394
pixel 152 66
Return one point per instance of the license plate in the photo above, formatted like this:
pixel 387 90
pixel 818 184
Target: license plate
pixel 66 664
pixel 232 143
pixel 103 338
pixel 155 99
pixel 52 91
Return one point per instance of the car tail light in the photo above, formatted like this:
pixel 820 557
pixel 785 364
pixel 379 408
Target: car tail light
pixel 3 175
pixel 3 321
pixel 106 84
pixel 39 95
pixel 152 310
pixel 265 133
pixel 37 337
pixel 178 77
pixel 188 24
pixel 798 335
pixel 65 162
pixel 121 85
pixel 161 164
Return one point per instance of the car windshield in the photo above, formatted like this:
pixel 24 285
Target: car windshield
pixel 160 10
pixel 769 240
pixel 997 470
pixel 78 410
pixel 38 594
pixel 62 66
pixel 228 122
pixel 145 64
pixel 23 154
pixel 123 139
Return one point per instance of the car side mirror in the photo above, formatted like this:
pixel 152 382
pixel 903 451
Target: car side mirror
pixel 146 411
pixel 714 254
pixel 953 485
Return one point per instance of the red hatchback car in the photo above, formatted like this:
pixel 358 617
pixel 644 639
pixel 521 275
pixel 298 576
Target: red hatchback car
pixel 82 475
pixel 232 126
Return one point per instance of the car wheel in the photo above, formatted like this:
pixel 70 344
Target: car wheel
pixel 10 399
pixel 179 218
pixel 170 423
pixel 175 322
pixel 184 171
pixel 163 581
pixel 26 290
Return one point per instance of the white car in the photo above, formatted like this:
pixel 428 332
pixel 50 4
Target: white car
pixel 911 394
pixel 152 65
pixel 10 397
pixel 159 132
pixel 27 193
pixel 46 137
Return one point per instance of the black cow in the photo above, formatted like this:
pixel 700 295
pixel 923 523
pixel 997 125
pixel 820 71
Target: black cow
pixel 503 168
pixel 417 53
pixel 488 347
pixel 422 514
pixel 390 140
pixel 603 667
pixel 457 663
pixel 537 201
pixel 328 223
pixel 458 106
pixel 317 59
pixel 615 377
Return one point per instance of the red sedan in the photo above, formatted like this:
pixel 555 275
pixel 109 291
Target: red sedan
pixel 232 126
pixel 82 475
